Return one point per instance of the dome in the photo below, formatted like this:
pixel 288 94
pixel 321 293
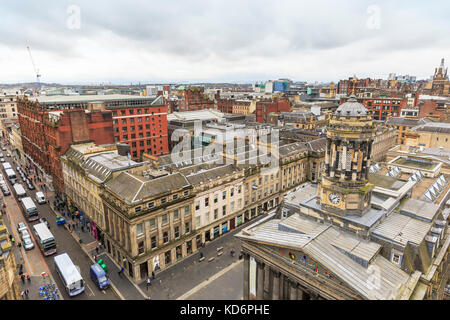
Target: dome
pixel 351 108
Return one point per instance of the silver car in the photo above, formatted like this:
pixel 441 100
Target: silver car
pixel 28 243
pixel 21 226
pixel 24 234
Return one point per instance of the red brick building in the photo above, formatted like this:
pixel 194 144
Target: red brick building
pixel 225 105
pixel 195 99
pixel 382 106
pixel 47 131
pixel 263 108
pixel 46 135
pixel 142 127
pixel 434 109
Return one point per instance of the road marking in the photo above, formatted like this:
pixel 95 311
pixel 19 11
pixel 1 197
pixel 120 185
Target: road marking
pixel 206 282
pixel 93 294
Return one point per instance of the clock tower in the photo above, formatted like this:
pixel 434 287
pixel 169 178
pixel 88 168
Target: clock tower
pixel 344 188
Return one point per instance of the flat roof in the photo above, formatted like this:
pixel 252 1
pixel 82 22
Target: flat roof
pixel 88 98
pixel 413 163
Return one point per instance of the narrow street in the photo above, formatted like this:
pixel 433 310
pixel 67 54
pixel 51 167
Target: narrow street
pixel 35 262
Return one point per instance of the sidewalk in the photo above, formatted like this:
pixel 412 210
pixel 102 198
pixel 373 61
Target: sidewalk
pixel 175 281
pixel 121 285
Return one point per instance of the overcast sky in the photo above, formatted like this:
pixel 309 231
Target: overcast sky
pixel 212 41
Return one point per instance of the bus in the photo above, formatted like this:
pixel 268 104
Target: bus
pixel 11 175
pixel 20 191
pixel 45 239
pixel 30 209
pixel 70 276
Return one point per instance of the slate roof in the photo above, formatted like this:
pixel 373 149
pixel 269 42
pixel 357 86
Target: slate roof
pixel 343 254
pixel 402 229
pixel 351 108
pixel 133 189
pixel 399 121
pixel 439 127
pixel 211 174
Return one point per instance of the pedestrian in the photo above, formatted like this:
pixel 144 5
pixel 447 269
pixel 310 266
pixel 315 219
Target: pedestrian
pixel 120 272
pixel 22 277
pixel 96 250
pixel 13 240
pixel 153 275
pixel 28 278
pixel 23 294
pixel 27 292
pixel 95 257
pixel 82 228
pixel 68 226
pixel 148 283
pixel 10 237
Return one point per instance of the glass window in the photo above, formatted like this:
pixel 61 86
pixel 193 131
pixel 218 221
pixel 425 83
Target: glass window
pixel 176 215
pixel 177 231
pixel 141 248
pixel 153 242
pixel 139 229
pixel 164 219
pixel 165 237
pixel 187 227
pixel 152 223
pixel 187 211
pixel 197 222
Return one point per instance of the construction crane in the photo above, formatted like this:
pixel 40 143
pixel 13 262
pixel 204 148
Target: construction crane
pixel 36 70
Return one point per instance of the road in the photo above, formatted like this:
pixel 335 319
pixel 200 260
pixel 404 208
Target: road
pixel 34 260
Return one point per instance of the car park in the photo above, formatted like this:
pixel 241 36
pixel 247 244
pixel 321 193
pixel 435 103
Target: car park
pixel 21 226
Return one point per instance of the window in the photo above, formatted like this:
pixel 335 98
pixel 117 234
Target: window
pixel 216 198
pixel 232 206
pixel 232 192
pixel 139 229
pixel 163 200
pixel 197 205
pixel 152 223
pixel 206 201
pixel 164 219
pixel 187 227
pixel 186 193
pixel 224 210
pixel 396 258
pixel 151 204
pixel 176 215
pixel 141 248
pixel 167 257
pixel 216 214
pixel 187 211
pixel 177 231
pixel 153 242
pixel 175 197
pixel 197 222
pixel 207 217
pixel 165 237
pixel 224 195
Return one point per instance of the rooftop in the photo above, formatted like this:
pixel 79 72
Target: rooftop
pixel 87 98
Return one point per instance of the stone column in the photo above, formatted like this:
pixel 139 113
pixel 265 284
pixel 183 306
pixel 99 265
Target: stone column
pixel 246 276
pixel 293 291
pixel 260 281
pixel 276 286
pixel 300 293
pixel 267 283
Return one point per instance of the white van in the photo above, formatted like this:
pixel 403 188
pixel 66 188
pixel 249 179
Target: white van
pixel 40 198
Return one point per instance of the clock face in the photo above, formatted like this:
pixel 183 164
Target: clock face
pixel 334 198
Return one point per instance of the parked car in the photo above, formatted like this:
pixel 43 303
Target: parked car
pixel 21 226
pixel 2 159
pixel 3 149
pixel 43 220
pixel 8 155
pixel 40 198
pixel 28 243
pixel 30 184
pixel 5 190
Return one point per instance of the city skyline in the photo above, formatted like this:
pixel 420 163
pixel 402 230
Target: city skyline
pixel 194 41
